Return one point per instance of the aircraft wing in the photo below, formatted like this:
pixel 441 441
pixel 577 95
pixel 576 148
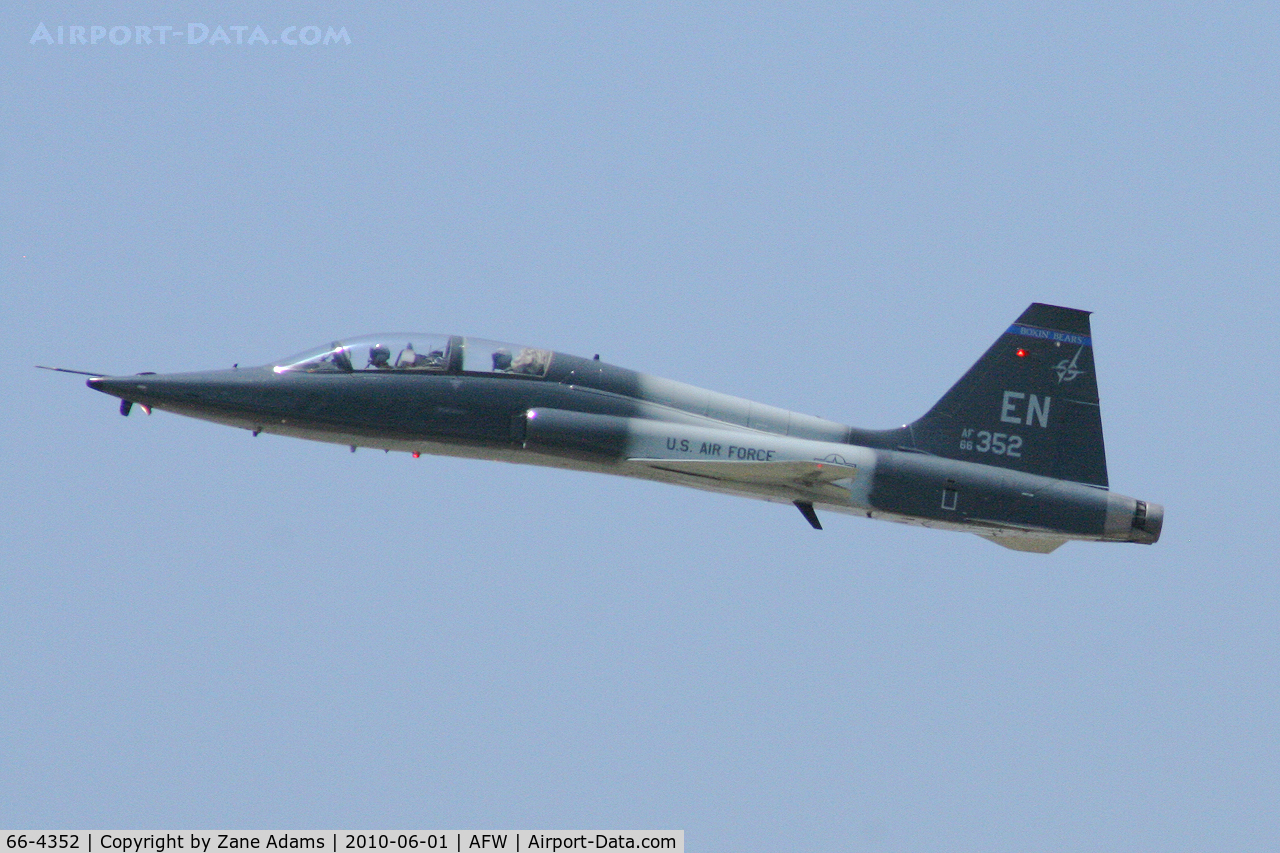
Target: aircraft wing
pixel 806 480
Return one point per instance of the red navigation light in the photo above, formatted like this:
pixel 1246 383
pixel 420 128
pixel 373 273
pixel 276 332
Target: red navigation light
pixel 416 454
pixel 1022 353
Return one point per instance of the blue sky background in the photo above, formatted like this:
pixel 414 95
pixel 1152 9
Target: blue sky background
pixel 829 208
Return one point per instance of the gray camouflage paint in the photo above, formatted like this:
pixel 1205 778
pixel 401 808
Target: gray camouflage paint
pixel 1013 452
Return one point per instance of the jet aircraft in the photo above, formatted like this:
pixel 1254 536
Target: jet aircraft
pixel 1013 452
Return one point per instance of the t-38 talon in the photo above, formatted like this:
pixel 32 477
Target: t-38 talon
pixel 1013 452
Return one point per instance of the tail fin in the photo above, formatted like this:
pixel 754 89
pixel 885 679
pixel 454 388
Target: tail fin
pixel 1030 403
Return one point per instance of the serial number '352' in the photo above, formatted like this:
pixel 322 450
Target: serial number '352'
pixel 997 443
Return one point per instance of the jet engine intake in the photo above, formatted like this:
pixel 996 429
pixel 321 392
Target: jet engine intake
pixel 574 434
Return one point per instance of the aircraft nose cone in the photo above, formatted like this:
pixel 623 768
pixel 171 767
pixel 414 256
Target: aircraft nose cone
pixel 145 388
pixel 190 393
pixel 113 385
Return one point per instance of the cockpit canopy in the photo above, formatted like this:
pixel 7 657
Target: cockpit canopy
pixel 401 352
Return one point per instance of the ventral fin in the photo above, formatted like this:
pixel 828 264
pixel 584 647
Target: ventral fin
pixel 810 515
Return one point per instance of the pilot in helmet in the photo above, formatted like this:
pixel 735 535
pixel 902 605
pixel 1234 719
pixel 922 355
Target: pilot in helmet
pixel 380 357
pixel 502 359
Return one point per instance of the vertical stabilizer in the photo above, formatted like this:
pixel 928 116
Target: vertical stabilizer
pixel 1030 403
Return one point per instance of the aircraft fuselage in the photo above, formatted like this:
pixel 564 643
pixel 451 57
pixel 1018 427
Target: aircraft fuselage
pixel 569 412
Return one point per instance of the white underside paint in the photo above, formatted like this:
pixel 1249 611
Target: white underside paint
pixel 650 459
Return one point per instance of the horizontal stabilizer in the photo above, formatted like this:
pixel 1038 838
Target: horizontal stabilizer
pixel 1033 544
